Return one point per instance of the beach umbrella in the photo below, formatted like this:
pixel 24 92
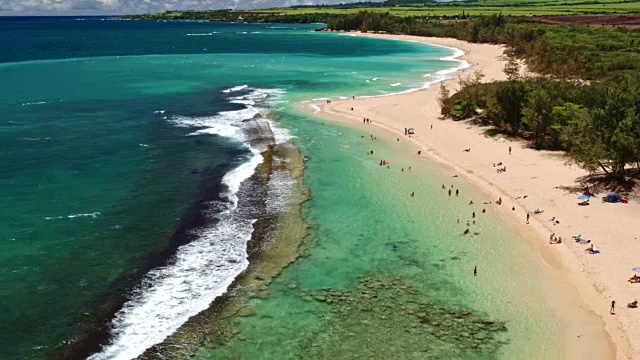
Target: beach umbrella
pixel 636 269
pixel 411 129
pixel 583 197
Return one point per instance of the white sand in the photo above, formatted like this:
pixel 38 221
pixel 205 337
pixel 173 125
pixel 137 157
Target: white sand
pixel 589 281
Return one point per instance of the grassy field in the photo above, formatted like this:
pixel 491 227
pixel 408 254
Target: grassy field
pixel 506 7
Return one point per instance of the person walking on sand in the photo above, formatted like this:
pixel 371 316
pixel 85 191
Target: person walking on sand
pixel 475 271
pixel 612 311
pixel 509 150
pixel 528 218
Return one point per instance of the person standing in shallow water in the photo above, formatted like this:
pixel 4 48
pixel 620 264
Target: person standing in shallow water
pixel 475 271
pixel 449 192
pixel 457 192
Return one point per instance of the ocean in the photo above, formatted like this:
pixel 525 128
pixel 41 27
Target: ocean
pixel 146 162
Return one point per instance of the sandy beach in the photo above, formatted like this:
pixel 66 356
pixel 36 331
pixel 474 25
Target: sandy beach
pixel 581 285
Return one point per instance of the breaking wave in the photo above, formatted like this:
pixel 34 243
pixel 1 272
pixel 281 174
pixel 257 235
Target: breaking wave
pixel 203 269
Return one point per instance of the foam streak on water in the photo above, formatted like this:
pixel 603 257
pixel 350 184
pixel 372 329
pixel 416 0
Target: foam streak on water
pixel 203 269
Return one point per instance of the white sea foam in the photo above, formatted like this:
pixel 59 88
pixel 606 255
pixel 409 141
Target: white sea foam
pixel 159 112
pixel 35 139
pixel 73 216
pixel 279 189
pixel 441 75
pixel 92 215
pixel 234 178
pixel 396 84
pixel 203 269
pixel 35 103
pixel 235 88
pixel 315 108
pixel 250 98
pixel 221 124
pixel 280 135
pixel 203 34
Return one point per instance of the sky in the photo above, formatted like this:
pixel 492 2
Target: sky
pixel 116 7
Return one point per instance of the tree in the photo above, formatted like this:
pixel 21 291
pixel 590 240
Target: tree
pixel 608 137
pixel 512 68
pixel 444 100
pixel 473 89
pixel 561 117
pixel 537 115
pixel 494 111
pixel 510 96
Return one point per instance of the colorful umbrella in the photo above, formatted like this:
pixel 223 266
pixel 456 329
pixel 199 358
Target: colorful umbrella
pixel 636 269
pixel 583 197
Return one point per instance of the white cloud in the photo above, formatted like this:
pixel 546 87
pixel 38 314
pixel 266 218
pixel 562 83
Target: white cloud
pixel 61 7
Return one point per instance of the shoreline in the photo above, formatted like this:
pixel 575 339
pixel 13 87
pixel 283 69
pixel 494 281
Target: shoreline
pixel 579 300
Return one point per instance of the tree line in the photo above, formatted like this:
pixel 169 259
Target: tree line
pixel 597 123
pixel 563 51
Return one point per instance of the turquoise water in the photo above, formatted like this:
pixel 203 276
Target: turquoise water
pixel 356 296
pixel 101 185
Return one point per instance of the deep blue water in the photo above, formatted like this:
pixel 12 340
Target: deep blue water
pixel 99 181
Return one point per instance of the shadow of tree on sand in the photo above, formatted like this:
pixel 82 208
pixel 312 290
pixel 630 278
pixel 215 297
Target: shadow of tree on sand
pixel 603 183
